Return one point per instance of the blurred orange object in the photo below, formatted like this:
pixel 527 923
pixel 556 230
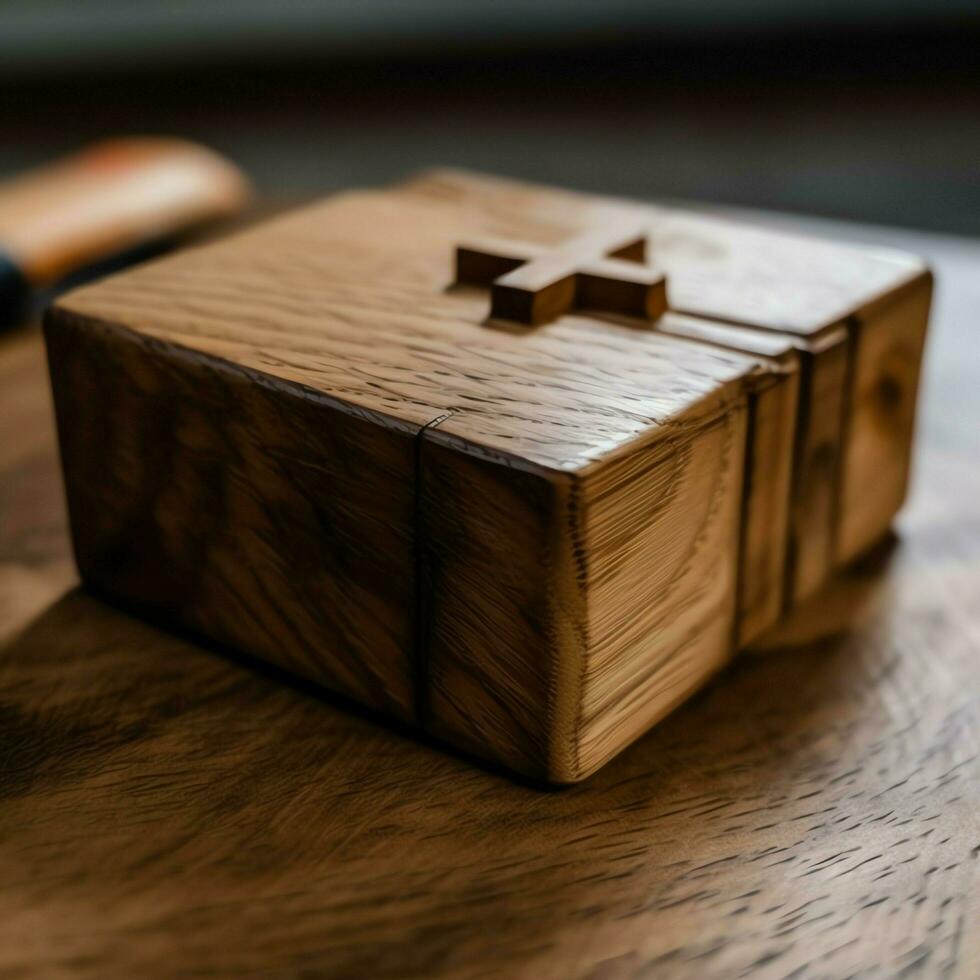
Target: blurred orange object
pixel 111 199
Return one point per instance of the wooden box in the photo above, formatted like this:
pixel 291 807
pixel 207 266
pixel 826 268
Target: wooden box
pixel 444 450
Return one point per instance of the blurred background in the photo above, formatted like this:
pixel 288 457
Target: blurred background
pixel 862 109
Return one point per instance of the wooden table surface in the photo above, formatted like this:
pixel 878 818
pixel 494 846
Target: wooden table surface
pixel 165 811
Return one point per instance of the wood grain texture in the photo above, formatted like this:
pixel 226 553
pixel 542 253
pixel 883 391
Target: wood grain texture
pixel 248 511
pixel 715 268
pixel 353 298
pixel 495 609
pixel 816 501
pixel 369 304
pixel 165 812
pixel 35 558
pixel 568 614
pixel 350 306
pixel 861 363
pixel 792 497
pixel 771 464
pixel 881 418
pixel 601 270
pixel 661 591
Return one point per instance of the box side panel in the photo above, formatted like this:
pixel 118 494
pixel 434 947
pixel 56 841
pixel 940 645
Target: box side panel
pixel 238 507
pixel 768 484
pixel 878 441
pixel 661 530
pixel 493 621
pixel 773 421
pixel 816 473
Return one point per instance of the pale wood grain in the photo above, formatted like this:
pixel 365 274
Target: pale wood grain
pixel 765 576
pixel 567 615
pixel 660 537
pixel 793 489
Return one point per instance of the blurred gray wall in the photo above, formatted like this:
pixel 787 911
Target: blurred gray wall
pixel 860 109
pixel 36 35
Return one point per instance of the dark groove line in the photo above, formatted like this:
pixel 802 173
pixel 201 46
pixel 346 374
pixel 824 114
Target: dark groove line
pixel 748 462
pixel 853 325
pixel 802 425
pixel 421 617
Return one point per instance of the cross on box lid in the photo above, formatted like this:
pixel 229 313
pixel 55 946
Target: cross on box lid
pixel 603 270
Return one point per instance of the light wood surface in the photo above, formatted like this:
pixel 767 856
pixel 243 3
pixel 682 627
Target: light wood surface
pixel 166 811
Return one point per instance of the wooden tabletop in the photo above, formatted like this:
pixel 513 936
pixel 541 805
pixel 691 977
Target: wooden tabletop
pixel 165 810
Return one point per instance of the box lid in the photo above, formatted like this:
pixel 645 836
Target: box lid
pixel 355 299
pixel 715 268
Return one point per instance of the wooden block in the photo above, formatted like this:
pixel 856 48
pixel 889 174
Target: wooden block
pixel 530 525
pixel 580 557
pixel 257 430
pixel 858 317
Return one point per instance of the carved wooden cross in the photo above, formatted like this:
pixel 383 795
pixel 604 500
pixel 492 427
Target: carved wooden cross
pixel 600 270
